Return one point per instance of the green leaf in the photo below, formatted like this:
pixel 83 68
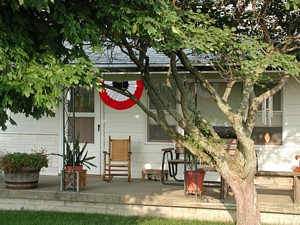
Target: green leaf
pixel 175 30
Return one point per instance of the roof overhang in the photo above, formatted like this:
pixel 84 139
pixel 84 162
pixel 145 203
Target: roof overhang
pixel 134 75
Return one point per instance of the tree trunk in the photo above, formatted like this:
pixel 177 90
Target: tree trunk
pixel 247 210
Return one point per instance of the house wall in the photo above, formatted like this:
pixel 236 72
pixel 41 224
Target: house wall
pixel 45 133
pixel 133 122
pixel 282 158
pixel 31 134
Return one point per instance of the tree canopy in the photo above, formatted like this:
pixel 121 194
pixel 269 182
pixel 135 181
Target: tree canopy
pixel 41 51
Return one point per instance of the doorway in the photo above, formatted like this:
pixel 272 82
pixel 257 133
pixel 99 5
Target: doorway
pixel 87 123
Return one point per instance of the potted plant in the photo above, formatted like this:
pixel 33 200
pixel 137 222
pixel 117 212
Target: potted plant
pixel 22 169
pixel 76 157
pixel 194 177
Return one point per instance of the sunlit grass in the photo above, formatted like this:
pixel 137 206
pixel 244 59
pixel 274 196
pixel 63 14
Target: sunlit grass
pixel 59 218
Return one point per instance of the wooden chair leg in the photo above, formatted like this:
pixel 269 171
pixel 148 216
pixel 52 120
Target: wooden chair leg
pixel 107 178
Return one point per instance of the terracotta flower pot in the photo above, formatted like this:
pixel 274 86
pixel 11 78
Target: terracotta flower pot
pixel 77 168
pixel 194 182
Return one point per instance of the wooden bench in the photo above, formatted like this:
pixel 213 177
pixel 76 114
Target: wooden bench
pixel 155 174
pixel 291 179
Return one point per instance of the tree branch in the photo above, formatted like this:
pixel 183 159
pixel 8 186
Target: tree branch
pixel 261 19
pixel 185 97
pixel 252 113
pixel 206 84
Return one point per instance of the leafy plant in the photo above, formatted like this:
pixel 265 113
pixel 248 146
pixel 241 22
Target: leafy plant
pixel 11 162
pixel 77 156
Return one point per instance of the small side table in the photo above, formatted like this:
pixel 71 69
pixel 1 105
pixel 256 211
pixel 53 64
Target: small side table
pixel 80 179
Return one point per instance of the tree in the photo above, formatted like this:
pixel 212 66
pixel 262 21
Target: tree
pixel 239 55
pixel 177 29
pixel 36 55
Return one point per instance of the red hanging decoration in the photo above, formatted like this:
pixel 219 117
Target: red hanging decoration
pixel 118 101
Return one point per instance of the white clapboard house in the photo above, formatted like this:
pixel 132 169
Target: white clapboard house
pixel 276 135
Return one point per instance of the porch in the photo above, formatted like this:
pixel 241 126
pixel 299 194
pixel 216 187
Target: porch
pixel 146 197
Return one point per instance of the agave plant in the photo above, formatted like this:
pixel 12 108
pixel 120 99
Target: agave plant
pixel 75 155
pixel 80 156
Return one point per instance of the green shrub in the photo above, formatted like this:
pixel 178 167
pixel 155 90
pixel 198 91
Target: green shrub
pixel 11 162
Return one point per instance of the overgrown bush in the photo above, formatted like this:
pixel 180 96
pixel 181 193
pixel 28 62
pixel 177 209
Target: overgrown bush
pixel 11 162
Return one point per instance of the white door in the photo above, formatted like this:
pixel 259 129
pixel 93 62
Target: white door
pixel 87 124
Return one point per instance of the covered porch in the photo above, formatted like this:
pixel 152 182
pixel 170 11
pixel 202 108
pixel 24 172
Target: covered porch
pixel 146 198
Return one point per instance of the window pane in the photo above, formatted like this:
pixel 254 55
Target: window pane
pixel 208 107
pixel 225 132
pixel 85 128
pixel 276 120
pixel 276 98
pixel 169 93
pixel 263 134
pixel 155 133
pixel 84 100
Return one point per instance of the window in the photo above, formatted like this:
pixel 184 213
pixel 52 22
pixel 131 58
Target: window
pixel 155 133
pixel 208 108
pixel 84 114
pixel 268 127
pixel 84 100
pixel 264 133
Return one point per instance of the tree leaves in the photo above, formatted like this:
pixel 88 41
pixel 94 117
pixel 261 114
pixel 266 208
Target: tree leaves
pixel 33 52
pixel 43 43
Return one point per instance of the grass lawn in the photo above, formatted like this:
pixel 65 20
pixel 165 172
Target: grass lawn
pixel 58 218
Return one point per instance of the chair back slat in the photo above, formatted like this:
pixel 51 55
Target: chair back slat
pixel 119 150
pixel 117 161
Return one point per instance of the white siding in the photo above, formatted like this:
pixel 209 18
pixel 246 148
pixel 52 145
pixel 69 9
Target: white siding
pixel 145 155
pixel 31 134
pixel 45 133
pixel 133 121
pixel 282 158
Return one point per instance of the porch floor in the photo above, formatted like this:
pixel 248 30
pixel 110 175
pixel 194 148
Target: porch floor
pixel 146 197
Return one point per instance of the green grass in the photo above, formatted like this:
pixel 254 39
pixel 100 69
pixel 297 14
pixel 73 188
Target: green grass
pixel 59 218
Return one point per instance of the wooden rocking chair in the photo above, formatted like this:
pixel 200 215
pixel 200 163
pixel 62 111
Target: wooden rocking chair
pixel 117 160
